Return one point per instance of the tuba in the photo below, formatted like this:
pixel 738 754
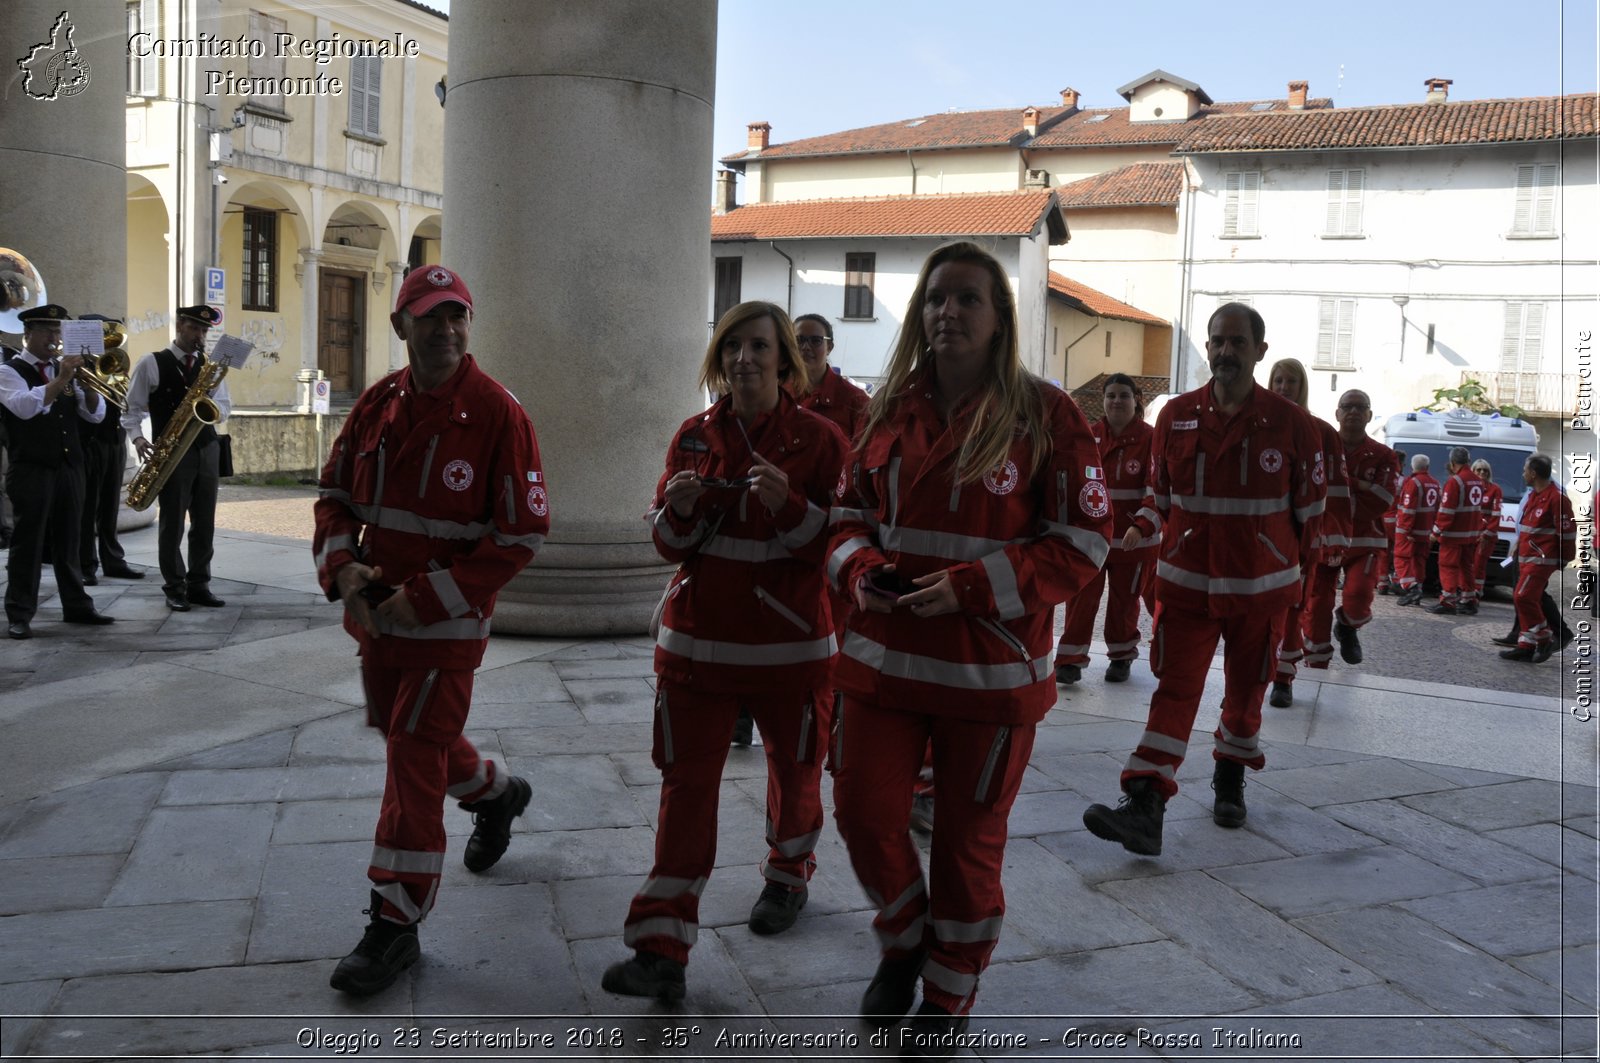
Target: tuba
pixel 21 288
pixel 196 411
pixel 107 374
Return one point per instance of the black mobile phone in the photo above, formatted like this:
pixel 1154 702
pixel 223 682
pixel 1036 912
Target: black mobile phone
pixel 717 483
pixel 890 583
pixel 378 593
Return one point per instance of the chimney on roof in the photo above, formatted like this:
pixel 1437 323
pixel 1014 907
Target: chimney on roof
pixel 760 134
pixel 725 193
pixel 1030 121
pixel 1069 99
pixel 1297 95
pixel 1438 89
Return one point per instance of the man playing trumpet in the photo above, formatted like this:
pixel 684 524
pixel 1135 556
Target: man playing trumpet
pixel 157 387
pixel 40 406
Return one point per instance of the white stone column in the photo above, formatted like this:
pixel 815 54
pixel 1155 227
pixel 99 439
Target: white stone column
pixel 63 178
pixel 397 347
pixel 307 275
pixel 577 173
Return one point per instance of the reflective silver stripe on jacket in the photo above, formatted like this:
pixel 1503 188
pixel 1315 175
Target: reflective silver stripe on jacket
pixel 402 520
pixel 811 524
pixel 1090 544
pixel 1369 542
pixel 533 540
pixel 1381 492
pixel 751 550
pixel 866 516
pixel 1231 507
pixel 712 651
pixel 333 544
pixel 842 554
pixel 1003 585
pixel 468 627
pixel 1199 581
pixel 1126 494
pixel 961 676
pixel 664 529
pixel 948 545
pixel 450 596
pixel 1306 512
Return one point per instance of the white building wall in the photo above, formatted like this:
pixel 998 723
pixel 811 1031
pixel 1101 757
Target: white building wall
pixel 1435 232
pixel 1132 255
pixel 922 173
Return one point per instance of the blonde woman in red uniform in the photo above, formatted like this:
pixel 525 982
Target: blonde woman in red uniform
pixel 972 506
pixel 743 505
pixel 1123 436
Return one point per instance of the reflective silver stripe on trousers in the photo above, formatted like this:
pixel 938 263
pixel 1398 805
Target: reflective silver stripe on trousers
pixel 996 747
pixel 815 520
pixel 396 894
pixel 794 846
pixel 407 861
pixel 1140 765
pixel 951 982
pixel 772 874
pixel 422 699
pixel 450 596
pixel 1090 544
pixel 1230 743
pixel 665 887
pixel 1231 507
pixel 908 939
pixel 1003 584
pixel 712 651
pixel 961 676
pixel 843 554
pixel 660 927
pixel 1164 743
pixel 1199 581
pixel 479 780
pixel 666 725
pixel 917 889
pixel 1073 650
pixel 969 933
pixel 750 550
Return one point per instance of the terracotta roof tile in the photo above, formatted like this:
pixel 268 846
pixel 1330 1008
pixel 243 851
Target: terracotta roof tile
pixel 1399 125
pixel 1144 184
pixel 1090 396
pixel 968 214
pixel 1093 301
pixel 963 129
pixel 1111 126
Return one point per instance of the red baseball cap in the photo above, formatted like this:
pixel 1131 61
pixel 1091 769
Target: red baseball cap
pixel 425 287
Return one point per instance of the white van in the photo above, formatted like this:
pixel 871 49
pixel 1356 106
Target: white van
pixel 1504 442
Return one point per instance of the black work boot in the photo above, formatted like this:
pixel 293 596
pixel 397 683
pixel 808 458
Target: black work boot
pixel 1068 674
pixel 776 909
pixel 1118 671
pixel 1282 695
pixel 1135 822
pixel 386 949
pixel 893 988
pixel 1228 781
pixel 744 729
pixel 491 824
pixel 1349 642
pixel 931 1033
pixel 648 974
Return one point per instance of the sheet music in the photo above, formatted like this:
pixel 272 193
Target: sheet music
pixel 86 339
pixel 231 351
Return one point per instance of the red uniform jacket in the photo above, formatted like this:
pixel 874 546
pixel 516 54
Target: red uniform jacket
pixel 1417 507
pixel 1339 516
pixel 1374 473
pixel 1492 499
pixel 1460 518
pixel 1126 460
pixel 1546 534
pixel 444 492
pixel 839 401
pixel 748 612
pixel 1015 547
pixel 1238 500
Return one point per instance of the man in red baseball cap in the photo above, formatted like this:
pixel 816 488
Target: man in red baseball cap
pixel 432 499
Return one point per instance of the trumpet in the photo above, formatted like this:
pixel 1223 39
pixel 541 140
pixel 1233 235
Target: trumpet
pixel 107 374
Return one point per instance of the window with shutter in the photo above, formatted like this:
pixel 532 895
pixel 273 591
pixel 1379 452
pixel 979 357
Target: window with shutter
pixel 1240 200
pixel 859 272
pixel 1522 353
pixel 366 91
pixel 1336 327
pixel 270 63
pixel 259 273
pixel 1535 213
pixel 144 71
pixel 730 278
pixel 1344 202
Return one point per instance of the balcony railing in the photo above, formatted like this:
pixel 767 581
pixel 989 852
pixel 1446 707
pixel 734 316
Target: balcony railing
pixel 1539 394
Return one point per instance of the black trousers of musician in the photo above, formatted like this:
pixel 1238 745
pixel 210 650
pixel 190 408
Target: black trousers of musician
pixel 191 492
pixel 5 499
pixel 48 504
pixel 102 499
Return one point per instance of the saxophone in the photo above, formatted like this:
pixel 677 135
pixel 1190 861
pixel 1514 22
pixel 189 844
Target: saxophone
pixel 196 411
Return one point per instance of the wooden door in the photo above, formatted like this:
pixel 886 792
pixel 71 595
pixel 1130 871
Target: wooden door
pixel 340 348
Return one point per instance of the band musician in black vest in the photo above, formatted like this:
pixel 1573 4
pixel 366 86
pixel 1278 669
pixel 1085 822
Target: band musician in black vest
pixel 157 386
pixel 105 452
pixel 41 407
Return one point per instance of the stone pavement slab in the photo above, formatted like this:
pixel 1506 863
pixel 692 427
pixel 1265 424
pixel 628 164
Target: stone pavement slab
pixel 1364 780
pixel 156 937
pixel 23 1004
pixel 1512 804
pixel 1554 844
pixel 1518 918
pixel 1351 878
pixel 1477 856
pixel 207 853
pixel 101 817
pixel 58 883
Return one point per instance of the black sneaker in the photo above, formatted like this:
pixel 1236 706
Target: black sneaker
pixel 1118 671
pixel 385 951
pixel 1468 608
pixel 931 1033
pixel 1444 608
pixel 1282 695
pixel 491 829
pixel 1349 643
pixel 648 974
pixel 744 730
pixel 1228 781
pixel 1521 653
pixel 893 988
pixel 1543 651
pixel 1068 674
pixel 1410 597
pixel 921 816
pixel 1506 640
pixel 776 909
pixel 1135 822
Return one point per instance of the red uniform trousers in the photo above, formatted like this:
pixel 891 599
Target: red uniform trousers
pixel 1184 645
pixel 1531 582
pixel 957 911
pixel 421 712
pixel 692 731
pixel 1457 584
pixel 1293 648
pixel 1411 560
pixel 1128 583
pixel 1480 565
pixel 1361 574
